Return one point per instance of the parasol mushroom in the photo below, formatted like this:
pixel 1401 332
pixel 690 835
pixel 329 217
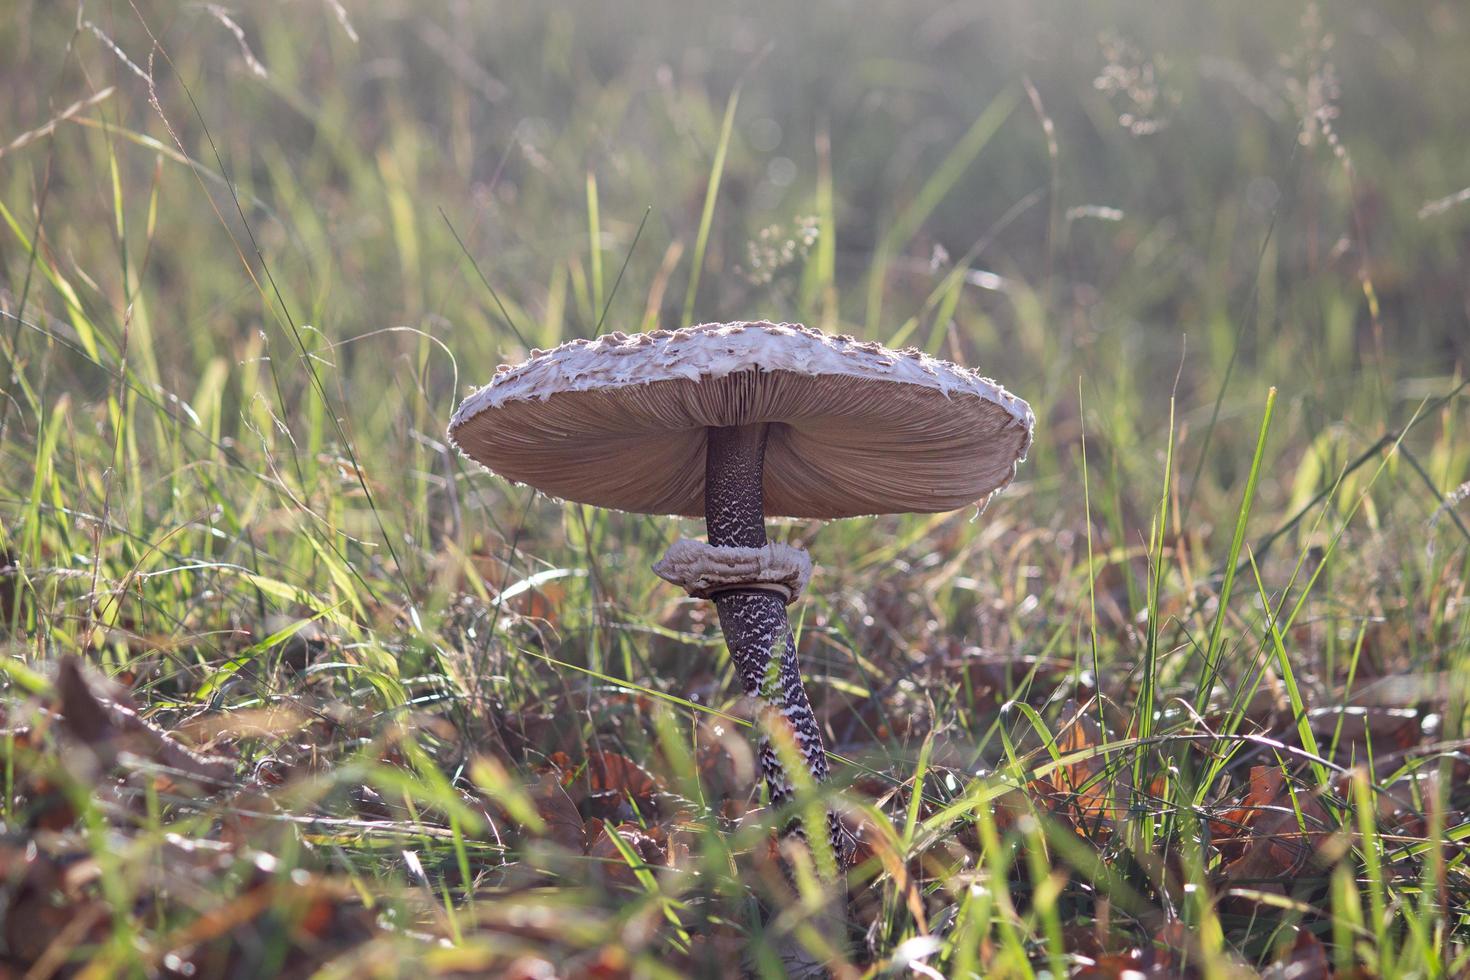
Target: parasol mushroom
pixel 738 422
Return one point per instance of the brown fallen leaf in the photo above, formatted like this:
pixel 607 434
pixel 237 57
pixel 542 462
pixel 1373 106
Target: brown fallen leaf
pixel 719 953
pixel 726 764
pixel 311 916
pixel 1276 844
pixel 678 845
pixel 558 813
pixel 1307 960
pixel 615 779
pixel 1095 797
pixel 48 906
pixel 904 883
pixel 614 869
pixel 109 725
pixel 272 722
pixel 9 589
pixel 1161 960
pixel 529 968
pixel 998 677
pixel 1355 728
pixel 1133 964
pixel 610 963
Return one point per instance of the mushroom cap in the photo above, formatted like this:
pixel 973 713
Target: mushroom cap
pixel 855 428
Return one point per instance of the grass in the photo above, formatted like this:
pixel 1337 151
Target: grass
pixel 1189 698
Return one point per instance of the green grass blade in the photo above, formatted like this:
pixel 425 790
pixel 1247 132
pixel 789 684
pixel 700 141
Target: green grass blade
pixel 707 216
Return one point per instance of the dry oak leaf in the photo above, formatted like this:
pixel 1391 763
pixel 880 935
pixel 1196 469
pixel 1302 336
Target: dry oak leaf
pixel 46 904
pixel 611 774
pixel 612 865
pixel 110 725
pixel 1385 729
pixel 1307 960
pixel 1095 795
pixel 558 813
pixel 1279 843
pixel 1155 962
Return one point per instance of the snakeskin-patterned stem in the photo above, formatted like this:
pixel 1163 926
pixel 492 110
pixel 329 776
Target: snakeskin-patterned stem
pixel 754 620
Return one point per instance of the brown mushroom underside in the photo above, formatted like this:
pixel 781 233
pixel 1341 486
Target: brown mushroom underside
pixel 837 447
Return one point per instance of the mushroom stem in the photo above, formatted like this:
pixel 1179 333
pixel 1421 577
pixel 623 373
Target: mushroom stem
pixel 734 496
pixel 754 619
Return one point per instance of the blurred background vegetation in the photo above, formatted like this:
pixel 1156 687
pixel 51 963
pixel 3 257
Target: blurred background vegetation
pixel 253 255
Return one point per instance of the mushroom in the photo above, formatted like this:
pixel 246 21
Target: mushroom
pixel 735 422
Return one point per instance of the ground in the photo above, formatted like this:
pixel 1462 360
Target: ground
pixel 290 688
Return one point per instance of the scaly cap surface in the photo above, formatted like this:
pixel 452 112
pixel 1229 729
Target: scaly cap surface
pixel 855 428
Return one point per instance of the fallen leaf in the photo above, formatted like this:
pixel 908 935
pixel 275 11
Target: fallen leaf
pixel 615 779
pixel 105 723
pixel 1277 845
pixel 9 588
pixel 529 968
pixel 1385 729
pixel 47 906
pixel 563 824
pixel 613 867
pixel 1159 960
pixel 1129 965
pixel 998 677
pixel 726 764
pixel 1094 793
pixel 1307 960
